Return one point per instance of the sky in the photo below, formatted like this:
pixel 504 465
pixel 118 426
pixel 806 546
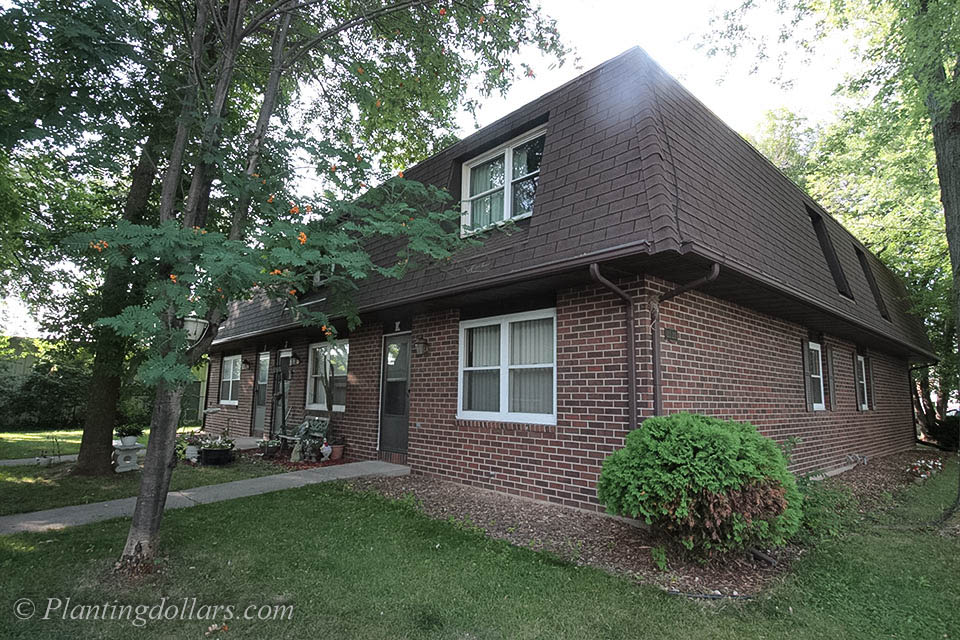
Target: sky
pixel 668 31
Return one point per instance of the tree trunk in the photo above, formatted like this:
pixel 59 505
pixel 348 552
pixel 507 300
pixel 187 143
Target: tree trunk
pixel 96 445
pixel 143 537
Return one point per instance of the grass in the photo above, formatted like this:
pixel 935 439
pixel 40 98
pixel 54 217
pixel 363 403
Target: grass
pixel 31 488
pixel 28 444
pixel 358 566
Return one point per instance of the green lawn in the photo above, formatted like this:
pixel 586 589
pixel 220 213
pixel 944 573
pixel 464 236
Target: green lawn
pixel 32 488
pixel 357 566
pixel 28 444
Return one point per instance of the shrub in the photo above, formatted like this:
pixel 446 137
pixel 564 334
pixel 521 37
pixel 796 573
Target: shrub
pixel 716 485
pixel 945 432
pixel 826 510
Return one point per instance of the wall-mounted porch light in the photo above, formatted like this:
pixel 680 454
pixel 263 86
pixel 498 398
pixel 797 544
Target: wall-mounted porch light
pixel 421 347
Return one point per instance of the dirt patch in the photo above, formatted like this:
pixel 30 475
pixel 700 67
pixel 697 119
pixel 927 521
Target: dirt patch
pixel 610 544
pixel 872 485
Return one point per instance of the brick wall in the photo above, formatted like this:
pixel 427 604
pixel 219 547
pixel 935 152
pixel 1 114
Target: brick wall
pixel 726 361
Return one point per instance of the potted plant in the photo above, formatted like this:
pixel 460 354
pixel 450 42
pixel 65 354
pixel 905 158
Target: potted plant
pixel 188 446
pixel 269 448
pixel 128 434
pixel 217 451
pixel 336 447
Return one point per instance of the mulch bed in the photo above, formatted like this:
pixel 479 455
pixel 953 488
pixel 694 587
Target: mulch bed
pixel 619 547
pixel 284 461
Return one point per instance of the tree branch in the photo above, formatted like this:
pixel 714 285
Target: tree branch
pixel 343 26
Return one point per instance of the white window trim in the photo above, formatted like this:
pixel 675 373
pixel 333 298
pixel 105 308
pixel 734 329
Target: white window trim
pixel 321 406
pixel 233 387
pixel 503 150
pixel 504 415
pixel 822 405
pixel 862 383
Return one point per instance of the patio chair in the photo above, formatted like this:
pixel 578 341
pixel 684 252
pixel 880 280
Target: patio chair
pixel 312 427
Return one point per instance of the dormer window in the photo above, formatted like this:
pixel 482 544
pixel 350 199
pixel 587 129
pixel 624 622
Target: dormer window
pixel 501 185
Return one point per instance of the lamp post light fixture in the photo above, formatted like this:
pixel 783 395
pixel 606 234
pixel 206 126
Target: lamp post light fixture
pixel 195 328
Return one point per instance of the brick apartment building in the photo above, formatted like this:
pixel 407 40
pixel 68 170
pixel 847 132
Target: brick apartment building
pixel 510 366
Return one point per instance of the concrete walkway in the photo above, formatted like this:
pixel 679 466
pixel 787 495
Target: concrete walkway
pixel 85 513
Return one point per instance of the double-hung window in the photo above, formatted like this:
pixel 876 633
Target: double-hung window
pixel 230 380
pixel 815 376
pixel 327 367
pixel 863 399
pixel 508 368
pixel 501 185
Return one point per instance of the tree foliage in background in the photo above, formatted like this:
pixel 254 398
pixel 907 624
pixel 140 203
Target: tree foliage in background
pixel 241 100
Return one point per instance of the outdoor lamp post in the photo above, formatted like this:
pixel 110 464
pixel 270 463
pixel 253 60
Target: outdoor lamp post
pixel 195 328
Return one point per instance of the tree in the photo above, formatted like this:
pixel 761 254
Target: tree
pixel 80 106
pixel 787 140
pixel 351 85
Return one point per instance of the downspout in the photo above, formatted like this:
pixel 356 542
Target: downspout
pixel 654 307
pixel 631 341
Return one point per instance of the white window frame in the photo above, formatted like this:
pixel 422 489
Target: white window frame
pixel 227 365
pixel 861 382
pixel 505 150
pixel 504 415
pixel 822 405
pixel 325 346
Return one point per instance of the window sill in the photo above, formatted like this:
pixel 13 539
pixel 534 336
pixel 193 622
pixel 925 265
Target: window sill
pixel 230 403
pixel 516 418
pixel 337 408
pixel 464 233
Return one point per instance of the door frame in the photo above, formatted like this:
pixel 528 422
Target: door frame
pixel 256 374
pixel 383 343
pixel 281 353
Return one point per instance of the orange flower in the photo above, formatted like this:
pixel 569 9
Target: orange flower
pixel 256 175
pixel 293 292
pixel 323 327
pixel 173 278
pixel 378 102
pixel 359 158
pixel 309 208
pixel 275 272
pixel 442 11
pixel 264 181
pixel 482 20
pixel 363 185
pixel 294 209
pixel 399 174
pixel 360 70
pixel 333 168
pixel 270 199
pixel 302 237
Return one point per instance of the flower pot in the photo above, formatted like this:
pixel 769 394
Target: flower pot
pixel 337 452
pixel 191 453
pixel 128 441
pixel 216 456
pixel 270 451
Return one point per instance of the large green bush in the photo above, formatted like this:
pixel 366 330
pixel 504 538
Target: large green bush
pixel 716 485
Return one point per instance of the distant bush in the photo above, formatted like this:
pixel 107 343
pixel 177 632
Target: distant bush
pixel 945 432
pixel 716 485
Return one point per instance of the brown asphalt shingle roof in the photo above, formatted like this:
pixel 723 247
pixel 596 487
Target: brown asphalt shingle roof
pixel 632 161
